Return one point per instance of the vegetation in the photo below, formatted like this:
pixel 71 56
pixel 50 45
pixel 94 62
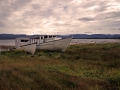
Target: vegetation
pixel 80 67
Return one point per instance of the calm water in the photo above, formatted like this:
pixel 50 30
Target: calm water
pixel 87 41
pixel 74 41
pixel 10 42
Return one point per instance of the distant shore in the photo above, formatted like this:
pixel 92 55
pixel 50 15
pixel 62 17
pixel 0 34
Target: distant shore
pixel 96 38
pixel 72 38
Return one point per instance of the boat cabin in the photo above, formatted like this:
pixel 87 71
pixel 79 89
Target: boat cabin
pixel 39 39
pixel 46 38
pixel 43 38
pixel 21 41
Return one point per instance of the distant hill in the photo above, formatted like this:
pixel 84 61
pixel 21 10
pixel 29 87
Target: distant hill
pixel 94 36
pixel 75 36
pixel 13 36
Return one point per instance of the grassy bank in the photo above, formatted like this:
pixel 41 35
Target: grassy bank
pixel 80 67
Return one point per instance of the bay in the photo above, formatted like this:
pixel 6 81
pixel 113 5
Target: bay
pixel 90 41
pixel 11 42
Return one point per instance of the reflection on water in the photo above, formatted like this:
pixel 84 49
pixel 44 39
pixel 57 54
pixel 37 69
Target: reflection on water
pixel 74 41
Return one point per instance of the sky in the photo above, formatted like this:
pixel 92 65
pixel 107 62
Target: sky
pixel 60 17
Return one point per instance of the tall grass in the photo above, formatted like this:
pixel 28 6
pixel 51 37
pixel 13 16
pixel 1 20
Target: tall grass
pixel 80 67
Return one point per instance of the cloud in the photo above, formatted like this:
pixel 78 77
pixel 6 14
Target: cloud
pixel 86 19
pixel 1 24
pixel 109 15
pixel 102 16
pixel 88 4
pixel 114 28
pixel 87 32
pixel 63 16
pixel 98 28
pixel 7 10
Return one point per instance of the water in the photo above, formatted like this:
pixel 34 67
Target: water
pixel 11 42
pixel 88 41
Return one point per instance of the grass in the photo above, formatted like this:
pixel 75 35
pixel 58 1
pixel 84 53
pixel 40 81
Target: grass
pixel 80 67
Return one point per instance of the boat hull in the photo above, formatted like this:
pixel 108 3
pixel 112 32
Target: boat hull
pixel 30 48
pixel 55 45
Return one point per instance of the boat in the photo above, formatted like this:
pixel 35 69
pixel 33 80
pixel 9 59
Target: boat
pixel 24 44
pixel 51 42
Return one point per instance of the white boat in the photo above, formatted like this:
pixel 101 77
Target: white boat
pixel 50 42
pixel 24 44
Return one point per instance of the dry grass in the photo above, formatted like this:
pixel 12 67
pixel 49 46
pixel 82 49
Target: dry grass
pixel 80 67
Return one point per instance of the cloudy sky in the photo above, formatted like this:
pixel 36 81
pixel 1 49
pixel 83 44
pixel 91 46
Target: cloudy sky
pixel 60 16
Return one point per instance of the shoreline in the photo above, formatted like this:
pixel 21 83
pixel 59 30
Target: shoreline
pixel 6 47
pixel 74 43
